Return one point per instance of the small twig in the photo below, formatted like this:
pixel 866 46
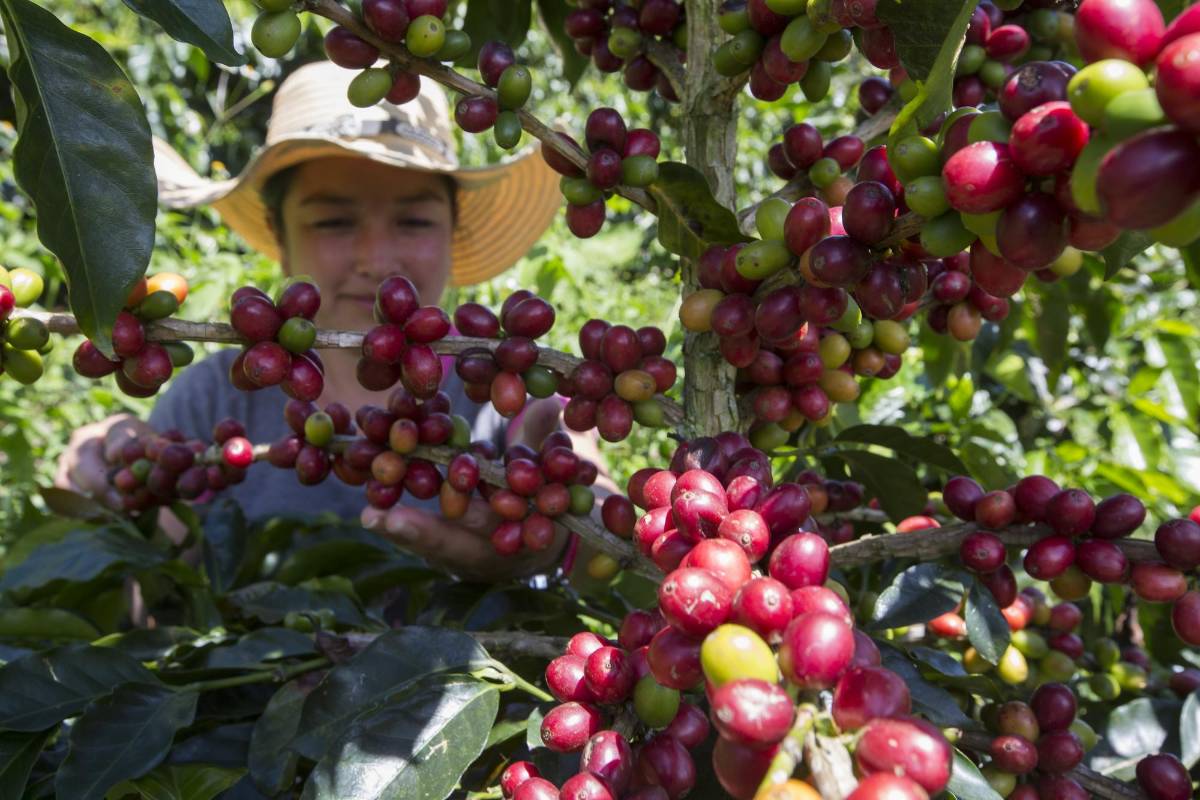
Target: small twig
pixel 791 749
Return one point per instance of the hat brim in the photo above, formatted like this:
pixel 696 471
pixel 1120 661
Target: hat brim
pixel 502 210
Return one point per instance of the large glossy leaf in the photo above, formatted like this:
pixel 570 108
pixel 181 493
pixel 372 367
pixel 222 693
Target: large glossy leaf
pixel 987 629
pixel 929 37
pixel 388 667
pixel 270 602
pixel 272 765
pixel 1189 730
pixel 1052 327
pixel 84 157
pixel 264 644
pixel 1142 726
pixel 181 782
pixel 554 15
pixel 18 752
pixel 967 782
pixel 918 594
pixel 900 440
pixel 417 747
pixel 932 702
pixel 44 624
pixel 204 23
pixel 224 544
pixel 495 20
pixel 1122 251
pixel 79 557
pixel 895 483
pixel 122 736
pixel 689 217
pixel 42 689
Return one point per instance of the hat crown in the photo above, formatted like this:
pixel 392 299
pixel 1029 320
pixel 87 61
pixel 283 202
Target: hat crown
pixel 312 102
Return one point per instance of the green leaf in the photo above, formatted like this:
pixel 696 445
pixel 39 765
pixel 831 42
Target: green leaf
pixel 554 15
pixel 419 746
pixel 929 36
pixel 504 730
pixel 919 447
pixel 181 782
pixel 1183 367
pixel 967 782
pixel 932 702
pixel 1141 727
pixel 44 624
pixel 203 23
pixel 79 557
pixel 987 629
pixel 533 730
pixel 1052 326
pixel 264 644
pixel 689 217
pixel 492 20
pixel 18 752
pixel 918 594
pixel 272 765
pixel 388 667
pixel 938 660
pixel 85 159
pixel 1122 251
pixel 270 602
pixel 40 690
pixel 224 544
pixel 122 736
pixel 895 483
pixel 1189 731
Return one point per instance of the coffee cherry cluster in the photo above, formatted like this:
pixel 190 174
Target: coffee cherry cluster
pixel 785 42
pixel 614 36
pixel 1080 548
pixel 141 367
pixel 618 155
pixel 398 348
pixel 540 486
pixel 161 469
pixel 512 81
pixel 280 336
pixel 24 340
pixel 505 375
pixel 309 448
pixel 621 378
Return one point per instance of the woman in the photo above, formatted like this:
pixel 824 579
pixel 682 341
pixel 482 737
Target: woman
pixel 348 196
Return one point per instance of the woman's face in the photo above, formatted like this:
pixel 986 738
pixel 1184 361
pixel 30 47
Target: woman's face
pixel 349 223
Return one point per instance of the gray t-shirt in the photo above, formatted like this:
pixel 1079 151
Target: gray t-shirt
pixel 201 395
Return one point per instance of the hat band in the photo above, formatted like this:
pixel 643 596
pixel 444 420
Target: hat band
pixel 351 126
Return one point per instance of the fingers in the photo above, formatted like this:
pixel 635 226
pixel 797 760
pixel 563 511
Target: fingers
pixel 449 544
pixel 87 469
pixel 538 420
pixel 123 429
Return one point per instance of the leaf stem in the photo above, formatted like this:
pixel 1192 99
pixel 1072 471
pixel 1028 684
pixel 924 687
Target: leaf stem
pixel 280 675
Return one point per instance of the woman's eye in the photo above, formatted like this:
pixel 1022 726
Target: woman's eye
pixel 332 223
pixel 415 222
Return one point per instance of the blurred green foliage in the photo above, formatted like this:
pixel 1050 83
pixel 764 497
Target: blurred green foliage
pixel 1095 384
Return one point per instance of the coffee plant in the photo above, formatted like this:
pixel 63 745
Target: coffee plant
pixel 783 602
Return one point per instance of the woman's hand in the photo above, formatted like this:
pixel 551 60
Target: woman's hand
pixel 91 453
pixel 461 546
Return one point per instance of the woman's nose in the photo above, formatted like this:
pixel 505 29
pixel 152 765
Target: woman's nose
pixel 376 253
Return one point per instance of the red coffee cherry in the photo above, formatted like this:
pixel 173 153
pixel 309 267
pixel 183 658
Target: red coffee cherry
pixel 608 756
pixel 752 711
pixel 882 786
pixel 516 774
pixel 1014 754
pixel 765 606
pixel 816 649
pixel 866 693
pixel 566 728
pixel 909 747
pixel 801 559
pixel 664 762
pixel 1163 777
pixel 694 601
pixel 609 674
pixel 674 659
pixel 238 452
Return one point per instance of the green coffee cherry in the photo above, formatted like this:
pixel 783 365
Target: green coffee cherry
pixel 1087 734
pixel 770 216
pixel 1105 686
pixel 1107 653
pixel 1012 669
pixel 455 45
pixel 927 196
pixel 318 429
pixel 725 62
pixel 821 14
pixel 1057 666
pixel 294 620
pixel 180 353
pixel 157 305
pixel 656 705
pixel 582 500
pixel 25 333
pixel 824 172
pixel 815 83
pixel 514 87
pixel 639 170
pixel 914 157
pixel 579 191
pixel 540 382
pixel 993 74
pixel 26 286
pixel 426 35
pixel 768 437
pixel 1083 174
pixel 1131 677
pixel 1092 88
pixel 141 469
pixel 970 60
pixel 1030 643
pixel 801 40
pixel 650 414
pixel 850 319
pixel 460 432
pixel 836 47
pixel 946 235
pixel 762 259
pixel 733 652
pixel 507 130
pixel 297 335
pixel 625 43
pixel 275 33
pixel 369 87
pixel 1133 112
pixel 734 20
pixel 1002 783
pixel 24 366
pixel 990 126
pixel 862 335
pixel 746 47
pixel 891 337
pixel 1179 232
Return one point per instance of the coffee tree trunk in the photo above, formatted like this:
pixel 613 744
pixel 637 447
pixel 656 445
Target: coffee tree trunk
pixel 710 141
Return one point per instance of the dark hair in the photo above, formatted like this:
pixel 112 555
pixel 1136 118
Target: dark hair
pixel 276 188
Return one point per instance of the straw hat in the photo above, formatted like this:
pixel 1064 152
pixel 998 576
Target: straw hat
pixel 502 209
